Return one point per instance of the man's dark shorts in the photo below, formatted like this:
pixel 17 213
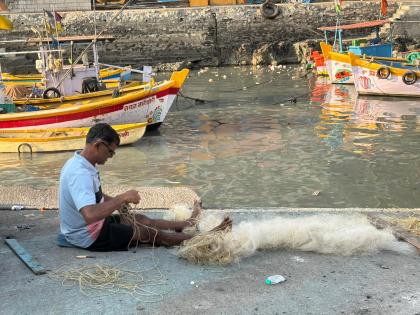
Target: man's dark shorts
pixel 114 236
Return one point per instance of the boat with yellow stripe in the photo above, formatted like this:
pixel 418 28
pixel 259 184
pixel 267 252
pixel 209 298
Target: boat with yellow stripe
pixel 374 78
pixel 337 64
pixel 143 103
pixel 336 58
pixel 60 139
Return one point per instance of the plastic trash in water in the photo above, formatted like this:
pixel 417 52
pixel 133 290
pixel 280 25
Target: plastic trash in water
pixel 17 207
pixel 274 279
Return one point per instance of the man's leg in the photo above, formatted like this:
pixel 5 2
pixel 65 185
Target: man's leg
pixel 149 235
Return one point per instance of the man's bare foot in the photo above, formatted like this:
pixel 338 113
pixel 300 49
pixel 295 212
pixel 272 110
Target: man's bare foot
pixel 225 225
pixel 193 220
pixel 195 213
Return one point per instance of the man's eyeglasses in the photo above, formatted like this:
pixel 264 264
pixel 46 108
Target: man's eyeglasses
pixel 110 151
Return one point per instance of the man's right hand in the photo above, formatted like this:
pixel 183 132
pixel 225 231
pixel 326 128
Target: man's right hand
pixel 131 196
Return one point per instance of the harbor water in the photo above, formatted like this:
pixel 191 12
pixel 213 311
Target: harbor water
pixel 265 137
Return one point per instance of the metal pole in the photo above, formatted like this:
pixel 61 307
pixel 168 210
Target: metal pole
pixel 93 41
pixel 126 68
pixel 340 41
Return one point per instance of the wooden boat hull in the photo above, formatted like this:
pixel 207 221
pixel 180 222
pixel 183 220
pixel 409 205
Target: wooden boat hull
pixel 367 81
pixel 148 104
pixel 60 139
pixel 338 65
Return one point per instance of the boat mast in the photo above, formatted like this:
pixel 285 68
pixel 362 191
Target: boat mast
pixel 95 48
pixel 92 43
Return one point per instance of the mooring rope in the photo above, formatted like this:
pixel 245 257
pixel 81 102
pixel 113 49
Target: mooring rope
pixel 411 224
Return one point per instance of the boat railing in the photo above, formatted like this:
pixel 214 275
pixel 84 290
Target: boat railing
pixel 29 52
pixel 127 68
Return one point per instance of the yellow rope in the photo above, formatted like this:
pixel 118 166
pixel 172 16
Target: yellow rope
pixel 411 224
pixel 206 248
pixel 111 279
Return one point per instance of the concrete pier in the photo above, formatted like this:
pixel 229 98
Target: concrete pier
pixel 380 283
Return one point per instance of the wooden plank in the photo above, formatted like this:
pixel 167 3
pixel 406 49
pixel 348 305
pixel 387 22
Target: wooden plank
pixel 355 26
pixel 25 256
pixel 398 232
pixel 76 39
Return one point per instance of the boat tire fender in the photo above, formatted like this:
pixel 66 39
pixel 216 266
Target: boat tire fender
pixel 409 78
pixel 51 93
pixel 269 10
pixel 22 145
pixel 383 73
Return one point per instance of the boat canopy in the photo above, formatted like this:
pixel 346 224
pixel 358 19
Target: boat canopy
pixel 355 26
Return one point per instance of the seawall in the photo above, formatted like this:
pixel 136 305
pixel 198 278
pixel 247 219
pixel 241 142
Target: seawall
pixel 215 36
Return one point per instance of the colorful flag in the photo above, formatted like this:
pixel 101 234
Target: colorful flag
pixel 58 24
pixel 53 22
pixel 5 23
pixel 384 7
pixel 57 17
pixel 337 4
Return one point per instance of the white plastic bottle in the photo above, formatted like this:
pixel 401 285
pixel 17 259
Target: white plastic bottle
pixel 274 279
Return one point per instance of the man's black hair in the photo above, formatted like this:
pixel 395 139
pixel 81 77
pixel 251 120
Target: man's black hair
pixel 103 131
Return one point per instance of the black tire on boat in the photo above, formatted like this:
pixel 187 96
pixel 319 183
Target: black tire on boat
pixel 24 145
pixel 409 78
pixel 383 73
pixel 51 93
pixel 269 10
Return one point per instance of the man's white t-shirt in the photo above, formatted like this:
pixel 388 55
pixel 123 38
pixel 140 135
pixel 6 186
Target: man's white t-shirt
pixel 80 186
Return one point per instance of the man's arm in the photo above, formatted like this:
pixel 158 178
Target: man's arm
pixel 94 213
pixel 107 197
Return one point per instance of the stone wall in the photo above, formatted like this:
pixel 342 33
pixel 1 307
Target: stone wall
pixel 215 36
pixel 406 29
pixel 30 6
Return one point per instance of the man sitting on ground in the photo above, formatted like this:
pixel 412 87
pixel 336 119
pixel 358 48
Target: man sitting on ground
pixel 86 218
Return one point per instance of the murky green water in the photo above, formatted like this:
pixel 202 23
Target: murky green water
pixel 252 147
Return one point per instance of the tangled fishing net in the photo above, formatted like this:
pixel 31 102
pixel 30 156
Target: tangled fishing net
pixel 340 235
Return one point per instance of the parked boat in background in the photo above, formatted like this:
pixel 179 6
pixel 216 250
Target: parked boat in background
pixel 107 74
pixel 60 139
pixel 374 78
pixel 56 78
pixel 143 103
pixel 338 63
